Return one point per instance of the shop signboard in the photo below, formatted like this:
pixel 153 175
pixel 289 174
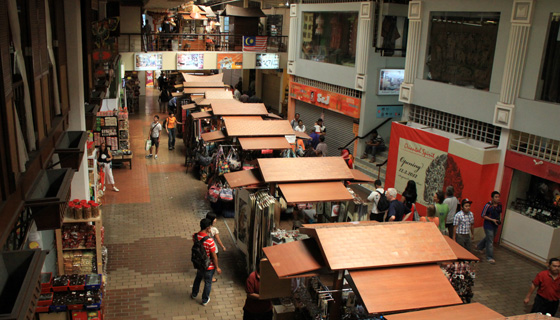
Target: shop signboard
pixel 267 61
pixel 340 103
pixel 390 81
pixel 230 60
pixel 147 61
pixel 435 161
pixel 190 61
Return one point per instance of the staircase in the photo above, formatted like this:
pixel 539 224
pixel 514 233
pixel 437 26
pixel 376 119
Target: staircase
pixel 371 169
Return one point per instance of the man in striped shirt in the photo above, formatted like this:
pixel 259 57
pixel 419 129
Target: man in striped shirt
pixel 208 274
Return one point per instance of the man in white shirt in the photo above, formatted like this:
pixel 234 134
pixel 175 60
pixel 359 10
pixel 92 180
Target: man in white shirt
pixel 155 130
pixel 374 197
pixel 295 121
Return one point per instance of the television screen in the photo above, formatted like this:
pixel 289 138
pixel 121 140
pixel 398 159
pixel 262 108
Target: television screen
pixel 390 81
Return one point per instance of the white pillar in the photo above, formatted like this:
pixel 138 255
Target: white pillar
pixel 76 116
pixel 412 50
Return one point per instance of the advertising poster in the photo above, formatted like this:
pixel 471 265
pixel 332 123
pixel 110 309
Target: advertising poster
pixel 230 60
pixel 267 61
pixel 149 78
pixel 434 162
pixel 346 105
pixel 390 81
pixel 190 61
pixel 147 61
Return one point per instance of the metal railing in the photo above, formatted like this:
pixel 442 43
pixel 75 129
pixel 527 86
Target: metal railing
pixel 365 135
pixel 135 42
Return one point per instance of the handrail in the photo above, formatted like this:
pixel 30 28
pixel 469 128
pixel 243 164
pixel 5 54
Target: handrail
pixel 365 135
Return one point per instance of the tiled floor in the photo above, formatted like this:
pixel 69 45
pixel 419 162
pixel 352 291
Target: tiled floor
pixel 149 224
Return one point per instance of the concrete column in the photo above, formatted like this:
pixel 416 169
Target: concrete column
pixel 76 116
pixel 258 83
pixel 412 50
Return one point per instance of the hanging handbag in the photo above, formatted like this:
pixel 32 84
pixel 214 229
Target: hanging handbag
pixel 222 165
pixel 226 194
pixel 233 160
pixel 214 192
pixel 416 216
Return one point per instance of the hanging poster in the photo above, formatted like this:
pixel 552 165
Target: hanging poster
pixel 390 81
pixel 190 61
pixel 346 105
pixel 147 61
pixel 267 61
pixel 230 60
pixel 149 78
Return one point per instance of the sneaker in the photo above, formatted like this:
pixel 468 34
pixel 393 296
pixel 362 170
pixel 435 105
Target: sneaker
pixel 155 157
pixel 149 156
pixel 193 296
pixel 492 261
pixel 170 148
pixel 205 303
pixel 115 189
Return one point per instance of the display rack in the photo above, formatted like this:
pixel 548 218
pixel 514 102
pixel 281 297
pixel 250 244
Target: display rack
pixel 106 130
pixel 93 173
pixel 97 222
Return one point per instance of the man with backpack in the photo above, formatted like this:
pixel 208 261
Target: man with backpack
pixel 380 202
pixel 205 260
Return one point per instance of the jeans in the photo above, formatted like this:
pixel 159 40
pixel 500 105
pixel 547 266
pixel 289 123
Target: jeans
pixel 171 141
pixel 207 276
pixel 488 243
pixel 464 240
pixel 544 306
pixel 373 149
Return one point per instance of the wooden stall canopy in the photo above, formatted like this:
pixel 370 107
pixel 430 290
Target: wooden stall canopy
pixel 209 78
pixel 197 100
pixel 471 311
pixel 231 109
pixel 204 85
pixel 217 135
pixel 404 288
pixel 314 192
pixel 218 94
pixel 360 177
pixel 208 102
pixel 295 257
pixel 531 316
pixel 188 106
pixel 177 94
pixel 244 178
pixel 460 252
pixel 271 285
pixel 302 135
pixel 259 143
pixel 201 115
pixel 202 90
pixel 384 245
pixel 254 118
pixel 178 86
pixel 274 116
pixel 245 128
pixel 303 169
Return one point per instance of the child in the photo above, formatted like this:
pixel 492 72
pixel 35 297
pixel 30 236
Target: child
pixel 430 215
pixel 215 234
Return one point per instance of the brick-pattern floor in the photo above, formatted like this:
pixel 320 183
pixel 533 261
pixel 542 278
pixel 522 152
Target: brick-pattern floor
pixel 148 229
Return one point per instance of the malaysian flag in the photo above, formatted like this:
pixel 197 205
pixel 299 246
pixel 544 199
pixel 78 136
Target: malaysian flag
pixel 257 43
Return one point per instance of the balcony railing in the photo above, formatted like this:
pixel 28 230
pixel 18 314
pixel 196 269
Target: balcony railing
pixel 133 42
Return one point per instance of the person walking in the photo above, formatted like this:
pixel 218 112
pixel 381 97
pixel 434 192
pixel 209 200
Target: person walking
pixel 255 308
pixel 464 225
pixel 322 149
pixel 442 210
pixel 548 293
pixel 215 234
pixel 155 130
pixel 396 208
pixel 164 98
pixel 170 126
pixel 374 197
pixel 491 214
pixel 208 274
pixel 104 160
pixel 452 203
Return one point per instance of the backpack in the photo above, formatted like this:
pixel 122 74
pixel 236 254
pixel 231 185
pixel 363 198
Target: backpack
pixel 383 202
pixel 199 258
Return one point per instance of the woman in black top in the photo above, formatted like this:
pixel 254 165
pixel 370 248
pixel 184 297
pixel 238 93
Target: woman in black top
pixel 104 161
pixel 409 194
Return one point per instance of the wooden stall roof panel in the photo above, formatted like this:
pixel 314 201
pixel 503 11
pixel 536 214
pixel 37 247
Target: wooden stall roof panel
pixel 315 192
pixel 295 257
pixel 383 245
pixel 197 100
pixel 244 178
pixel 203 90
pixel 360 177
pixel 262 128
pixel 211 78
pixel 177 94
pixel 201 115
pixel 213 136
pixel 304 169
pixel 253 118
pixel 460 252
pixel 471 311
pixel 531 316
pixel 259 143
pixel 406 288
pixel 218 94
pixel 249 109
pixel 302 135
pixel 206 102
pixel 188 106
pixel 203 84
pixel 274 116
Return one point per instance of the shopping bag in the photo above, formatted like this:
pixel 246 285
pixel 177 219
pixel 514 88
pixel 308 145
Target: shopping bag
pixel 148 144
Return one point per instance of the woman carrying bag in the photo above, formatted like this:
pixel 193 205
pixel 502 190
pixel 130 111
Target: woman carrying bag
pixel 104 161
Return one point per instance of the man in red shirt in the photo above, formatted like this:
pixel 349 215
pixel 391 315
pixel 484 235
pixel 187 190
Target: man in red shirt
pixel 548 294
pixel 256 309
pixel 210 247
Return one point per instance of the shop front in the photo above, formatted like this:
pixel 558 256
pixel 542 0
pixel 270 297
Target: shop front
pixel 531 197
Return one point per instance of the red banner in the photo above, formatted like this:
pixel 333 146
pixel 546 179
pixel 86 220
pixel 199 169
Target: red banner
pixel 426 159
pixel 346 105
